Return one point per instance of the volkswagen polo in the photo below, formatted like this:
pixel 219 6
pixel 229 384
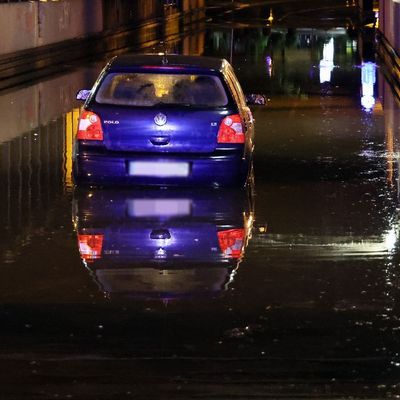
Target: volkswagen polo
pixel 164 120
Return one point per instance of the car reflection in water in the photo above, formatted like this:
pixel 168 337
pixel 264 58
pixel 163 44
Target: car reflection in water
pixel 162 243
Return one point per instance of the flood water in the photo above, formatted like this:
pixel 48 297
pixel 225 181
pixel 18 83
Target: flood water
pixel 305 306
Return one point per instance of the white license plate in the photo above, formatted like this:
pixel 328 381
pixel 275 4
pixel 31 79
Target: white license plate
pixel 159 207
pixel 159 169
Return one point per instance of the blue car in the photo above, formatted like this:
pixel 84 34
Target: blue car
pixel 162 243
pixel 164 120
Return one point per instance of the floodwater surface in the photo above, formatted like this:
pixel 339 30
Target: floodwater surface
pixel 288 289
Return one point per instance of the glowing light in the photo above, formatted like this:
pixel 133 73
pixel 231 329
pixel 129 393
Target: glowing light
pixel 71 122
pixel 231 242
pixel 90 246
pixel 269 64
pixel 390 239
pixel 367 102
pixel 270 19
pixel 326 65
pixel 160 254
pixel 368 79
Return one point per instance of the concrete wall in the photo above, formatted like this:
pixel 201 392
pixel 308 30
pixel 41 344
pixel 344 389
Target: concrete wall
pixel 20 17
pixel 30 24
pixel 69 19
pixel 389 21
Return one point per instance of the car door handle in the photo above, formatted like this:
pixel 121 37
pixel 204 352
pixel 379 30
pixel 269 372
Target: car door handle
pixel 160 140
pixel 160 234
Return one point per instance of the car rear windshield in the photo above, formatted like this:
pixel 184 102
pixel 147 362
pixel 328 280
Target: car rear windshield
pixel 150 89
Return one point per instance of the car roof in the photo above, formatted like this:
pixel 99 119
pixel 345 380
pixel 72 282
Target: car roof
pixel 170 60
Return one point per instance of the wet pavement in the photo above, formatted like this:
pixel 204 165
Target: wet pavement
pixel 287 290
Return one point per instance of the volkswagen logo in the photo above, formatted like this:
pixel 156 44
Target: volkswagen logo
pixel 160 119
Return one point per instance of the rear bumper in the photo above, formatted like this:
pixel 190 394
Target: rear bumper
pixel 219 169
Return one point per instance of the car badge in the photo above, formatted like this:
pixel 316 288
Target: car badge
pixel 160 119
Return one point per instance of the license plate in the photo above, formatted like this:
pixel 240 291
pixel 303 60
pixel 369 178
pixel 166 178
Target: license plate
pixel 159 169
pixel 159 207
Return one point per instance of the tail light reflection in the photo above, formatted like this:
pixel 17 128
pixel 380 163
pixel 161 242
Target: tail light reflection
pixel 231 242
pixel 90 246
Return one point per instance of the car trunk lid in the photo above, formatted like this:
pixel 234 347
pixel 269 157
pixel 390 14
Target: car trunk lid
pixel 160 130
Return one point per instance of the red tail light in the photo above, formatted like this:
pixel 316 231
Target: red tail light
pixel 90 246
pixel 89 126
pixel 231 130
pixel 231 242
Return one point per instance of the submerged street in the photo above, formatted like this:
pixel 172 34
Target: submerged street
pixel 306 307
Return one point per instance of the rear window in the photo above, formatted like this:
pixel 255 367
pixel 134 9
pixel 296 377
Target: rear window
pixel 150 89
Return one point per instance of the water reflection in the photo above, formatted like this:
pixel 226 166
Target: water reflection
pixel 289 61
pixel 162 243
pixel 326 64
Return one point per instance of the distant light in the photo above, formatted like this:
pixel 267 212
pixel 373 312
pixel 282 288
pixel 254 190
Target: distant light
pixel 270 19
pixel 391 239
pixel 269 64
pixel 368 79
pixel 368 102
pixel 326 65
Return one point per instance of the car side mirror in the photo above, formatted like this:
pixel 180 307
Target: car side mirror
pixel 256 99
pixel 83 94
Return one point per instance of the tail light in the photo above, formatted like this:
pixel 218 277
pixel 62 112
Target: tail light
pixel 231 130
pixel 90 246
pixel 89 126
pixel 231 242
